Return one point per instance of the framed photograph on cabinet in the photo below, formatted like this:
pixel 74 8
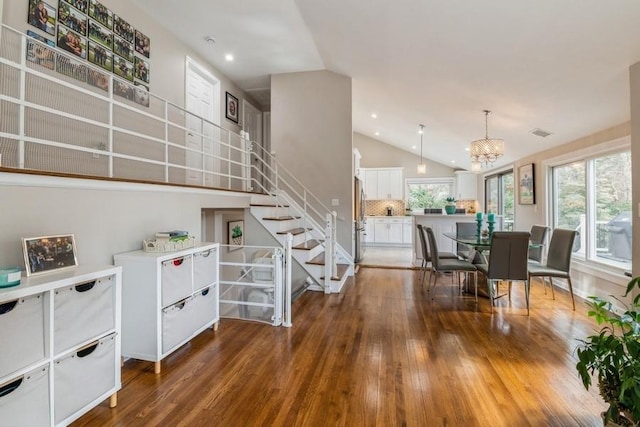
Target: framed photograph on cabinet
pixel 526 185
pixel 235 235
pixel 232 108
pixel 49 253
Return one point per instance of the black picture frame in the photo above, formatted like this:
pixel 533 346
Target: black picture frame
pixel 232 108
pixel 45 20
pixel 72 42
pixel 72 18
pixel 142 44
pixel 526 185
pixel 100 13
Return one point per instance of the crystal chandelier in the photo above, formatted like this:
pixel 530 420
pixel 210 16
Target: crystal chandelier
pixel 422 167
pixel 486 150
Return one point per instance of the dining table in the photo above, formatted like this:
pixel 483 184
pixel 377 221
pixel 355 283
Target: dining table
pixel 479 246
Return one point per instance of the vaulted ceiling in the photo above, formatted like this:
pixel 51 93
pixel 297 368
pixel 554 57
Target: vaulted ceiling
pixel 561 66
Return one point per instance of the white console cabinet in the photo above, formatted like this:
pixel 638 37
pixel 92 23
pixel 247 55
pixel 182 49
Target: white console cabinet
pixel 168 298
pixel 60 351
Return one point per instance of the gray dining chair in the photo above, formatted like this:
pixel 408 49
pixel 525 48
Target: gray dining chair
pixel 426 258
pixel 446 265
pixel 465 229
pixel 538 236
pixel 558 262
pixel 508 261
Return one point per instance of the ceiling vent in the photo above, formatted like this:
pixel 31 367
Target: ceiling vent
pixel 540 132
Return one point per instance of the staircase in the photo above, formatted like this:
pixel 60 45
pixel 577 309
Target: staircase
pixel 309 241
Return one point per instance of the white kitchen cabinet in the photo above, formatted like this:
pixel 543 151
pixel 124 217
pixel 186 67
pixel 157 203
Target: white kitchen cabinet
pixel 383 183
pixel 466 185
pixel 60 353
pixel 389 230
pixel 168 298
pixel 407 230
pixel 369 231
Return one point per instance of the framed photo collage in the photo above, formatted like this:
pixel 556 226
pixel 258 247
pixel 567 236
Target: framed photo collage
pixel 89 31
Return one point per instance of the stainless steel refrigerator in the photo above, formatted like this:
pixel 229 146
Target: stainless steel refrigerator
pixel 358 219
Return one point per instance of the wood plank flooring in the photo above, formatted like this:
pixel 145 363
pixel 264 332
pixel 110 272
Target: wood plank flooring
pixel 382 353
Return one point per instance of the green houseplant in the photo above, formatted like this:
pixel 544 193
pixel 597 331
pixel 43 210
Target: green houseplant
pixel 612 356
pixel 450 206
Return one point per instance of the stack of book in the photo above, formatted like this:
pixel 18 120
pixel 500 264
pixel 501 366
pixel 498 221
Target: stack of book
pixel 172 236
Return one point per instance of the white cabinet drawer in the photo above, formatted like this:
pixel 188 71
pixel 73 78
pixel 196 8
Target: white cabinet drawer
pixel 205 268
pixel 21 333
pixel 176 279
pixel 82 312
pixel 205 306
pixel 177 324
pixel 83 376
pixel 24 401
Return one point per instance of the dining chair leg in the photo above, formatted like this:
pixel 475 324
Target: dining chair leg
pixel 527 287
pixel 571 291
pixel 435 280
pixel 475 285
pixel 553 294
pixel 490 286
pixel 510 290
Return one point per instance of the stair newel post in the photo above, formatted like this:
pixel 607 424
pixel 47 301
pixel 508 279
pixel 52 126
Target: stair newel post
pixel 305 217
pixel 287 320
pixel 247 161
pixel 328 254
pixel 334 244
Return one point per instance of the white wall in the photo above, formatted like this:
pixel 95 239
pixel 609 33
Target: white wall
pixel 377 154
pixel 311 133
pixel 167 59
pixel 105 218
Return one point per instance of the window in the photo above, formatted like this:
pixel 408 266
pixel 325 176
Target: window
pixel 499 197
pixel 593 196
pixel 428 192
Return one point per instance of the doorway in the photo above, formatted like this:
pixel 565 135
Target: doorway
pixel 252 124
pixel 202 99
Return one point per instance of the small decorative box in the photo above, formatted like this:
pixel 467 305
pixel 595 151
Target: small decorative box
pixel 9 276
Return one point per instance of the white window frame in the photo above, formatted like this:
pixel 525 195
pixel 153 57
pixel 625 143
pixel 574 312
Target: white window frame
pixel 589 266
pixel 442 180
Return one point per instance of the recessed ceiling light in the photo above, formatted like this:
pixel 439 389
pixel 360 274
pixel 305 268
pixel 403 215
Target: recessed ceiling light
pixel 413 147
pixel 453 161
pixel 228 57
pixel 466 148
pixel 377 133
pixel 374 115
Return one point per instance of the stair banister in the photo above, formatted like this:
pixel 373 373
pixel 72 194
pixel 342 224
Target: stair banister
pixel 328 254
pixel 287 318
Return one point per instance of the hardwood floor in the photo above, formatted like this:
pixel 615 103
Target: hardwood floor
pixel 382 353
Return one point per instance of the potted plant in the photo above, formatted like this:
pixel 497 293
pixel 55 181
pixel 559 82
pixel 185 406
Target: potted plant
pixel 450 206
pixel 612 356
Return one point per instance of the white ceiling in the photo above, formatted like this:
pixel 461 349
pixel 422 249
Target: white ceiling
pixel 561 66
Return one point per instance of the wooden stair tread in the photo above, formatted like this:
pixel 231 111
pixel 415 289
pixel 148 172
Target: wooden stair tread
pixel 268 205
pixel 308 245
pixel 281 218
pixel 342 269
pixel 294 231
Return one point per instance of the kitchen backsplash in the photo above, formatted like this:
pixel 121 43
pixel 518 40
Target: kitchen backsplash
pixel 379 207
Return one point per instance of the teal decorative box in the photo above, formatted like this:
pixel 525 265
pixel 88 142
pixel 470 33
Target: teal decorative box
pixel 9 276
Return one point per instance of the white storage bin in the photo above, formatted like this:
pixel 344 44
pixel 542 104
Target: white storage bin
pixel 177 323
pixel 83 376
pixel 204 268
pixel 82 312
pixel 24 401
pixel 205 306
pixel 176 279
pixel 21 333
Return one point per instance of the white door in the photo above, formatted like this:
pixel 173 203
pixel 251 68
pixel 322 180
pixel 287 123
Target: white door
pixel 252 124
pixel 202 100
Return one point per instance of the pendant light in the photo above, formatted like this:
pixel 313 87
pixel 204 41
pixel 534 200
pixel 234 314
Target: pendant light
pixel 422 167
pixel 486 150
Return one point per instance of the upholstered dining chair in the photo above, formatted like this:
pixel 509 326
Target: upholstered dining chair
pixel 426 258
pixel 508 261
pixel 465 229
pixel 558 262
pixel 445 265
pixel 538 236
